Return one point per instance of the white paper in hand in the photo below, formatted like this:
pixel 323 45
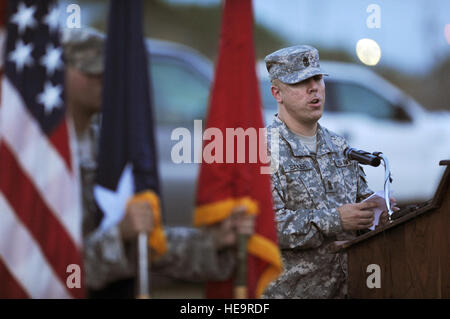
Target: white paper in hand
pixel 377 197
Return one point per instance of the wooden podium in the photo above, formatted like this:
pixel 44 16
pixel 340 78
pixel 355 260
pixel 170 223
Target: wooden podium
pixel 413 252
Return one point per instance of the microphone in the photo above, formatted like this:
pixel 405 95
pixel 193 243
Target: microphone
pixel 362 157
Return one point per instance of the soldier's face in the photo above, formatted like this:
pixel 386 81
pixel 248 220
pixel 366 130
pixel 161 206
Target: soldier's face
pixel 303 101
pixel 83 91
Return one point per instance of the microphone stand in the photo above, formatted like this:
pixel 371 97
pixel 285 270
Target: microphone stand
pixel 387 181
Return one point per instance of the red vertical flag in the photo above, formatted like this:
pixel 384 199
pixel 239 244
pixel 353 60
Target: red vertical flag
pixel 230 174
pixel 40 206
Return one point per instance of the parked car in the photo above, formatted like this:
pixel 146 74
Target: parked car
pixel 360 105
pixel 181 79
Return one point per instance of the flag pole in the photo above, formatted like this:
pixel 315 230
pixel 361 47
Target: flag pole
pixel 143 266
pixel 240 280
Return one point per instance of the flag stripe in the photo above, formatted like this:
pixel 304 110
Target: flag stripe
pixel 54 241
pixel 58 139
pixel 40 161
pixel 10 288
pixel 25 261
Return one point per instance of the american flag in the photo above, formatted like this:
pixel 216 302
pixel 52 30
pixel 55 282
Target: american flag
pixel 40 208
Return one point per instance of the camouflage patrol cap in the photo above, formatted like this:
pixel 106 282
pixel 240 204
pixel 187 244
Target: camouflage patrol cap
pixel 84 49
pixel 294 64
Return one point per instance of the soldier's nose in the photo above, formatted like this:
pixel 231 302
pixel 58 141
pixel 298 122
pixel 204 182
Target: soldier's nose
pixel 312 85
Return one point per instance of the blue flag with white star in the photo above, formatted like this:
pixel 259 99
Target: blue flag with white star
pixel 127 155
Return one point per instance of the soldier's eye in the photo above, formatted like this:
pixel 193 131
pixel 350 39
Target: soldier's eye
pixel 318 77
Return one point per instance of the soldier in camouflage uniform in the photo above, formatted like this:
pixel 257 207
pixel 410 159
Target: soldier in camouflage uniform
pixel 316 190
pixel 109 257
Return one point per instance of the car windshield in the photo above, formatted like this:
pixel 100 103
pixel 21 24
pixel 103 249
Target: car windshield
pixel 180 94
pixel 346 97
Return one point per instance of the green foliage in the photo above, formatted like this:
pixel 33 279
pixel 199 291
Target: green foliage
pixel 198 27
pixel 193 25
pixel 430 90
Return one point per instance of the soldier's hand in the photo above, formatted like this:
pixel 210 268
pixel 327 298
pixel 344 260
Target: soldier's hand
pixel 384 217
pixel 225 232
pixel 243 224
pixel 357 216
pixel 138 218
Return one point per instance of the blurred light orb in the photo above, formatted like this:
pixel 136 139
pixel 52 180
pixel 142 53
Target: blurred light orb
pixel 368 51
pixel 447 33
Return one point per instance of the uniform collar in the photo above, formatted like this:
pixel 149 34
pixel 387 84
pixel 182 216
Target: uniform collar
pixel 297 147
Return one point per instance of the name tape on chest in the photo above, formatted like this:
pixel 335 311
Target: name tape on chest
pixel 299 167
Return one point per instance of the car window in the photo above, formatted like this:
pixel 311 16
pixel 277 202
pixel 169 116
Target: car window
pixel 353 98
pixel 179 92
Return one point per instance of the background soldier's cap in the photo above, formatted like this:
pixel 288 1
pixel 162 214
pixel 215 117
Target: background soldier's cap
pixel 84 49
pixel 294 64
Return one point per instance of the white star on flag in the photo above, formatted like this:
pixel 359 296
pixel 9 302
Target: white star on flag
pixel 52 59
pixel 113 203
pixel 52 19
pixel 24 17
pixel 50 97
pixel 21 55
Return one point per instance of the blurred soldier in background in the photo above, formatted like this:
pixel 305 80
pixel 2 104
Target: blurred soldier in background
pixel 110 256
pixel 316 190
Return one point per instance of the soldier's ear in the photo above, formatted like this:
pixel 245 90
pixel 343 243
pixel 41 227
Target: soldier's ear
pixel 275 89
